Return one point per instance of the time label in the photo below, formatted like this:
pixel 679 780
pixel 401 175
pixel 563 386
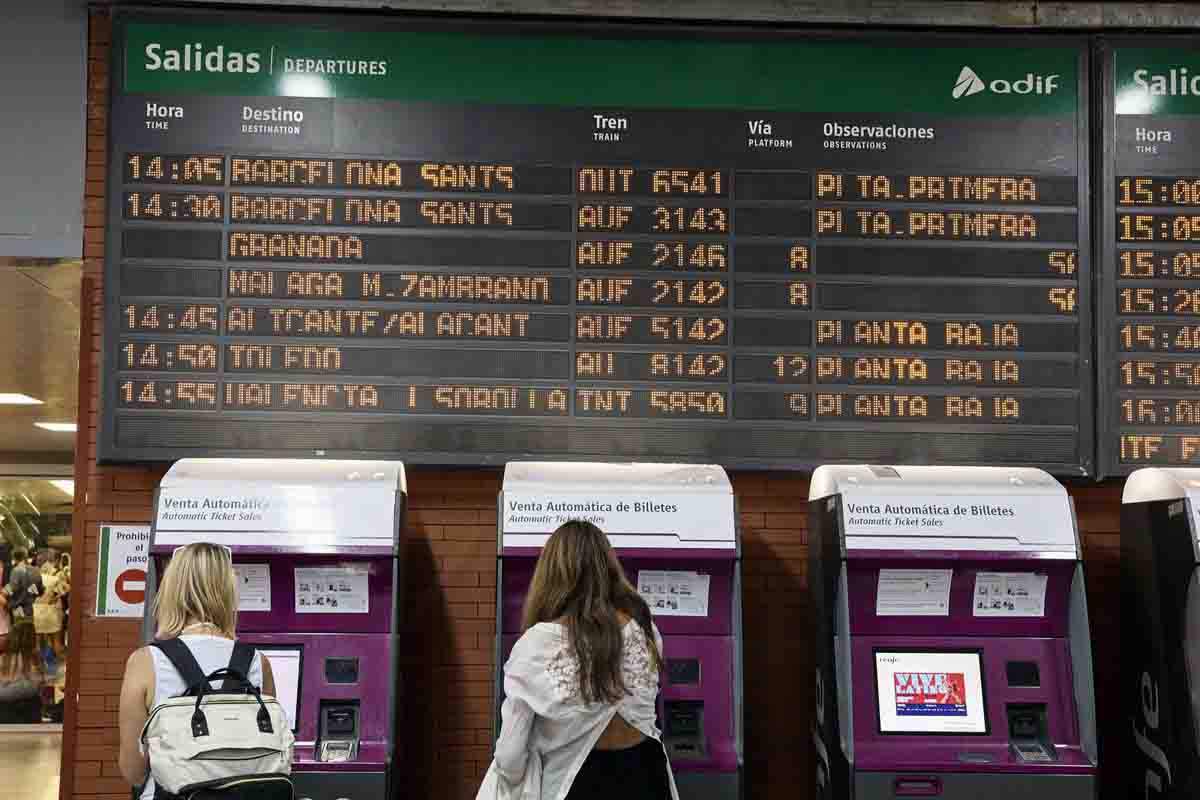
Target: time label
pixel 1159 411
pixel 190 206
pixel 1147 264
pixel 1158 227
pixel 206 170
pixel 1175 302
pixel 1167 375
pixel 171 318
pixel 1134 190
pixel 151 356
pixel 191 395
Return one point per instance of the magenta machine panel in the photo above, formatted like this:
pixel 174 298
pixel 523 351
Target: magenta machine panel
pixel 675 529
pixel 952 645
pixel 316 546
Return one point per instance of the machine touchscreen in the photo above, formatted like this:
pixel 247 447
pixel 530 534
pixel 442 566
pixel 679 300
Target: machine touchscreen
pixel 285 666
pixel 931 692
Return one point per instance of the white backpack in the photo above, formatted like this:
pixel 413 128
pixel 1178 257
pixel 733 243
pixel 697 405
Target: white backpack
pixel 230 743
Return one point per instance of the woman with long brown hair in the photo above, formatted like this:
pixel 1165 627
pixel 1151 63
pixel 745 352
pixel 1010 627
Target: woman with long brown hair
pixel 578 720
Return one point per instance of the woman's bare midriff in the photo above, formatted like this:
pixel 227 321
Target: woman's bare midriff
pixel 619 735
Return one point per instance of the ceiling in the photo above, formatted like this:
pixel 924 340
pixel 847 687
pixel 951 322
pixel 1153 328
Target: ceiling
pixel 1067 14
pixel 39 356
pixel 33 513
pixel 34 496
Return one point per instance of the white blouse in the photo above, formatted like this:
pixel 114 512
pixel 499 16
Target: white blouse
pixel 547 730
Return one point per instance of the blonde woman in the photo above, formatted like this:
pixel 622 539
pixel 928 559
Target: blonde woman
pixel 48 610
pixel 196 604
pixel 578 720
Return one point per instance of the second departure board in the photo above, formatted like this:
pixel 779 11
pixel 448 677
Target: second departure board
pixel 494 242
pixel 1150 289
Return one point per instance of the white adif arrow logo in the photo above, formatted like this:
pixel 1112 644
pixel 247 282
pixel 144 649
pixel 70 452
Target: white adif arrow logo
pixel 968 83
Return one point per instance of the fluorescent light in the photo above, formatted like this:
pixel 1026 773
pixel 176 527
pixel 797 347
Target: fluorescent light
pixel 57 427
pixel 14 399
pixel 67 487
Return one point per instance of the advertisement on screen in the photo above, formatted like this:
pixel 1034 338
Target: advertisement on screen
pixel 939 693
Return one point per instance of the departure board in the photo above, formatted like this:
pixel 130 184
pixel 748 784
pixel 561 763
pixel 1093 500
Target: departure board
pixel 465 246
pixel 1150 279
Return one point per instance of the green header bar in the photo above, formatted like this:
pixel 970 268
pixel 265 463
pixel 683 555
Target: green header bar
pixel 574 70
pixel 1154 80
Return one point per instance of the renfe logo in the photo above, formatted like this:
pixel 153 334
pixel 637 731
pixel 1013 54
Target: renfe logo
pixel 969 83
pixel 818 737
pixel 1159 767
pixel 193 58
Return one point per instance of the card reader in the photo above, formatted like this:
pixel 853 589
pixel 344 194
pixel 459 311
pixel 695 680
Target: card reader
pixel 1027 733
pixel 339 731
pixel 683 731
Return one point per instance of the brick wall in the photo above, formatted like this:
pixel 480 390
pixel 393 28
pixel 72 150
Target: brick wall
pixel 450 569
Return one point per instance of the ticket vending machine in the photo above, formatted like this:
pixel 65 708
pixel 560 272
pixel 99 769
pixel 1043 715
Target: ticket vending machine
pixel 316 547
pixel 953 652
pixel 1160 638
pixel 675 530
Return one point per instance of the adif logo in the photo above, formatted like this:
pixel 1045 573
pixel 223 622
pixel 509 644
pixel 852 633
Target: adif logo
pixel 970 83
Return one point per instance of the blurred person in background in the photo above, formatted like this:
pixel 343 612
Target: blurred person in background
pixel 6 659
pixel 48 625
pixel 48 612
pixel 23 588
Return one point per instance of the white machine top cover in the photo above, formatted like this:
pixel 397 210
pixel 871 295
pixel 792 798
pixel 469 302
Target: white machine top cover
pixel 998 509
pixel 1149 484
pixel 656 506
pixel 1152 484
pixel 260 502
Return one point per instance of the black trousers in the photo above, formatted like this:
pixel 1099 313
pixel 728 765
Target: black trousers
pixel 635 773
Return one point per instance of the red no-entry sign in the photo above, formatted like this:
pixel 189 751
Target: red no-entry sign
pixel 131 586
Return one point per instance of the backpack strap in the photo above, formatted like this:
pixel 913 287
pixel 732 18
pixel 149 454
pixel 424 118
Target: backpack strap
pixel 184 662
pixel 239 662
